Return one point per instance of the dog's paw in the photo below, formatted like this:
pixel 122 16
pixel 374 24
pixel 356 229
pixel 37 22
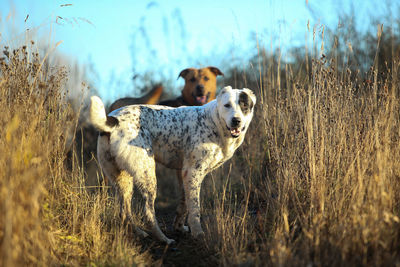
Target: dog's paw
pixel 198 235
pixel 182 228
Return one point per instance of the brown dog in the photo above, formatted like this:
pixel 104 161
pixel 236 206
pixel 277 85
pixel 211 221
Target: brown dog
pixel 200 87
pixel 150 98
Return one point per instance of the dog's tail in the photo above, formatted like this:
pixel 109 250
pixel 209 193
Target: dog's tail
pixel 98 116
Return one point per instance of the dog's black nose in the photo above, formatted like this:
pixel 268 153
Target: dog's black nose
pixel 200 89
pixel 235 121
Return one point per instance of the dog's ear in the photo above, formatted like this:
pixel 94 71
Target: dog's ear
pixel 215 70
pixel 185 72
pixel 251 94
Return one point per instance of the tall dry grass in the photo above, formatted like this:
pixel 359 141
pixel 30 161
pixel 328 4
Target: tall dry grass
pixel 317 182
pixel 48 217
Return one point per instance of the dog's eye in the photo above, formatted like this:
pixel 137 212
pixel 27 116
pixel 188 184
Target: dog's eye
pixel 206 78
pixel 193 79
pixel 227 105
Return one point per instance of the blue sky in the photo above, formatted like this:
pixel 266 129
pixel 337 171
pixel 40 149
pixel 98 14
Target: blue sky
pixel 167 36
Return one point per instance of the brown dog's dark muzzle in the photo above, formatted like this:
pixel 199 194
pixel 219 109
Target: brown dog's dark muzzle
pixel 201 99
pixel 200 90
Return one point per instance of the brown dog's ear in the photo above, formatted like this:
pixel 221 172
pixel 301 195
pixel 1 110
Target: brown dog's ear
pixel 184 73
pixel 215 70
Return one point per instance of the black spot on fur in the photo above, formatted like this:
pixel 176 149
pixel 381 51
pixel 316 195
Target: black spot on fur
pixel 111 121
pixel 197 165
pixel 106 134
pixel 111 159
pixel 165 139
pixel 195 201
pixel 245 103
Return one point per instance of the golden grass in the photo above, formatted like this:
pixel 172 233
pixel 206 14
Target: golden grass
pixel 316 182
pixel 48 216
pixel 320 174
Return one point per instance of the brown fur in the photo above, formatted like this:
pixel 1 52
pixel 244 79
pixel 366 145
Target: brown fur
pixel 200 88
pixel 150 98
pixel 200 84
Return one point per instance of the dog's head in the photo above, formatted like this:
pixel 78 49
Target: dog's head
pixel 200 85
pixel 235 109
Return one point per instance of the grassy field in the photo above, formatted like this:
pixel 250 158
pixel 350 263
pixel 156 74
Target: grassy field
pixel 315 183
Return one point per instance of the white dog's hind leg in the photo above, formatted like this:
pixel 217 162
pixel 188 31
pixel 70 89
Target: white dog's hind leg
pixel 124 185
pixel 149 197
pixel 146 182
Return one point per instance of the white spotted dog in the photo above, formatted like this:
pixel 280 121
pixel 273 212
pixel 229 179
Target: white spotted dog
pixel 194 140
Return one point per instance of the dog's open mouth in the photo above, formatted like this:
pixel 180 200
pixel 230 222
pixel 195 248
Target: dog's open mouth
pixel 235 132
pixel 201 99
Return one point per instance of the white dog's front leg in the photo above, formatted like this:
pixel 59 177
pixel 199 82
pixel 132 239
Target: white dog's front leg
pixel 192 180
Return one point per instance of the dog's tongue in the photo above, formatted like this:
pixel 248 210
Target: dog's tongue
pixel 235 131
pixel 201 99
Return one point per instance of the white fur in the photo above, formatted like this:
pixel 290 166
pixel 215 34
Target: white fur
pixel 98 114
pixel 192 140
